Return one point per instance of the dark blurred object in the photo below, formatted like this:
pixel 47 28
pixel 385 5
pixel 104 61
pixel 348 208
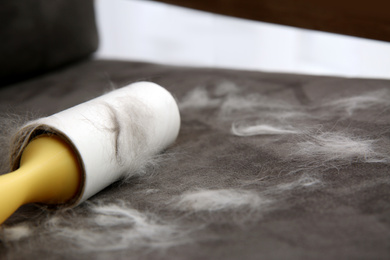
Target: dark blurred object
pixel 39 35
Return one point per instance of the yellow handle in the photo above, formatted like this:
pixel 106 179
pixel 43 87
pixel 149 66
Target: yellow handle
pixel 49 173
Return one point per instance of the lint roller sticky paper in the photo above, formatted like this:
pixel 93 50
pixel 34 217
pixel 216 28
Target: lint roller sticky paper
pixel 66 158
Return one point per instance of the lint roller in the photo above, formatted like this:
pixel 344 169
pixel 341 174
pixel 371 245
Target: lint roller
pixel 66 158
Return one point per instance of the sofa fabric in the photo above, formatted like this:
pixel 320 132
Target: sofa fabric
pixel 38 35
pixel 266 166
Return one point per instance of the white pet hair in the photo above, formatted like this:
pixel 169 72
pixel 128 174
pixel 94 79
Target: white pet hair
pixel 131 228
pixel 375 99
pixel 227 99
pixel 118 225
pixel 338 146
pixel 319 152
pixel 106 227
pixel 220 200
pixel 199 98
pixel 16 232
pixel 226 88
pixel 260 129
pixel 304 181
pixel 249 104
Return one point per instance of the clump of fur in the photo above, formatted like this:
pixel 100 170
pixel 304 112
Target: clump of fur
pixel 104 227
pixel 233 206
pixel 220 200
pixel 17 232
pixel 129 228
pixel 199 98
pixel 260 129
pixel 371 100
pixel 226 98
pixel 326 150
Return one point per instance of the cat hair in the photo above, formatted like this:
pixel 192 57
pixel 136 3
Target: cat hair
pixel 221 199
pixel 103 227
pixel 309 152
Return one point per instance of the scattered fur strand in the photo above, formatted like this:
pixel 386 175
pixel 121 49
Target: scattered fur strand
pixel 217 200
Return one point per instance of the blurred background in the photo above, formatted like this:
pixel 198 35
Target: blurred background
pixel 155 32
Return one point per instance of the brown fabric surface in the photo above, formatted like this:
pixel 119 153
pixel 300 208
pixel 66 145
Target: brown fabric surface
pixel 37 36
pixel 353 18
pixel 345 216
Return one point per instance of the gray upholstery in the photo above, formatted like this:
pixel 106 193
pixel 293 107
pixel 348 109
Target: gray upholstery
pixel 346 215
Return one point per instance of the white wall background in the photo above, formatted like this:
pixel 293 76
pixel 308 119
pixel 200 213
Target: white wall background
pixel 155 32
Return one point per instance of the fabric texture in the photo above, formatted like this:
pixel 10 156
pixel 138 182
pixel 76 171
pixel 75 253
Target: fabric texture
pixel 266 166
pixel 38 35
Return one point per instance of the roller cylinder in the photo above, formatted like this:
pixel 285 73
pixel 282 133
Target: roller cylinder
pixel 113 136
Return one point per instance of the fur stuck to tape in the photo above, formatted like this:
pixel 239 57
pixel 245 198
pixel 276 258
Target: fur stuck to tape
pixel 113 135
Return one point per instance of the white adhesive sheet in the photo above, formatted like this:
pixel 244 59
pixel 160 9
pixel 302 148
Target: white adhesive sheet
pixel 113 135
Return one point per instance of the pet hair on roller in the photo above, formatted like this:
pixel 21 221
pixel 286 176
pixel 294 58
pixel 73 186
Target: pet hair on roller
pixel 102 141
